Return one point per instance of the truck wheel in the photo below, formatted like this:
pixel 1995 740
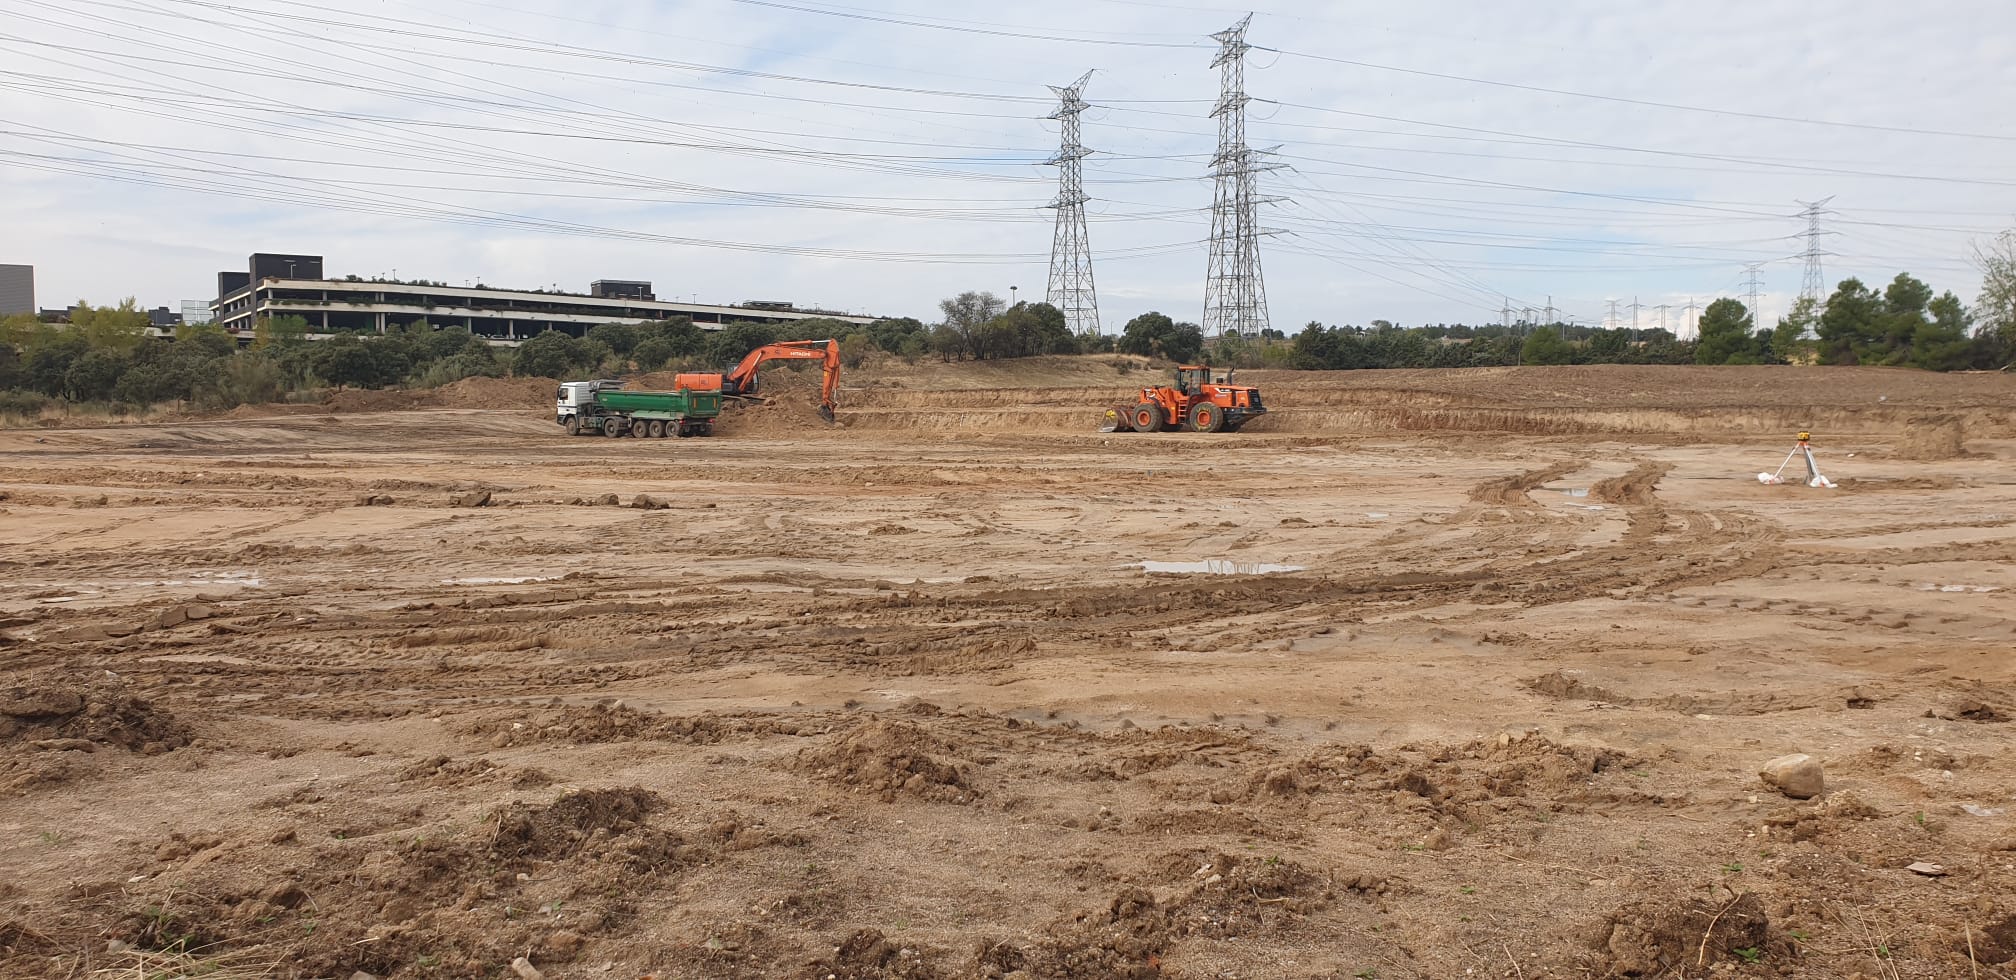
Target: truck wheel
pixel 1206 417
pixel 1147 417
pixel 612 427
pixel 573 425
pixel 654 430
pixel 684 430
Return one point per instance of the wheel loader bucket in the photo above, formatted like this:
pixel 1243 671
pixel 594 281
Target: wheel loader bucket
pixel 1115 420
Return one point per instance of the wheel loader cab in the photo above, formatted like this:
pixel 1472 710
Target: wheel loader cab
pixel 1191 380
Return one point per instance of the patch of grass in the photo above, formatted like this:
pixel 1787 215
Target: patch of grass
pixel 1732 867
pixel 1468 890
pixel 1750 954
pixel 136 964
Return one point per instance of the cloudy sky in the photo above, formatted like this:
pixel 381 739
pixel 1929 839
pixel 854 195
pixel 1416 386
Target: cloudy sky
pixel 1442 157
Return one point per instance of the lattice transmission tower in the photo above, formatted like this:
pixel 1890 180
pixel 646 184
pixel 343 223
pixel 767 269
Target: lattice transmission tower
pixel 1071 288
pixel 1235 295
pixel 1814 286
pixel 1754 282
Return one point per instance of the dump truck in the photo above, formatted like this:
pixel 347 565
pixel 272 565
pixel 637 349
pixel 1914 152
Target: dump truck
pixel 586 408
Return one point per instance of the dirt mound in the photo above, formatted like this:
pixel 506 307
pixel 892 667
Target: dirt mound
pixel 495 393
pixel 890 757
pixel 1511 490
pixel 1634 487
pixel 1932 437
pixel 551 833
pixel 1648 939
pixel 1226 897
pixel 781 413
pixel 53 713
pixel 456 902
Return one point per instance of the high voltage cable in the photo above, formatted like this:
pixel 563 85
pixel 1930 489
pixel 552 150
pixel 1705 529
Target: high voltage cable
pixel 1648 103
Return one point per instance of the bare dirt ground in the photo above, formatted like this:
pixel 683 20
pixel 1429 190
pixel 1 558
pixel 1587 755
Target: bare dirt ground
pixel 897 699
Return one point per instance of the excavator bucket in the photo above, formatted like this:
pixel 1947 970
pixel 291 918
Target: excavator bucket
pixel 826 412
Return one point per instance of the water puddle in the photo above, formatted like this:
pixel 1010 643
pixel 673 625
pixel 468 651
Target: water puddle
pixel 1216 567
pixel 1377 515
pixel 1928 587
pixel 1577 491
pixel 499 579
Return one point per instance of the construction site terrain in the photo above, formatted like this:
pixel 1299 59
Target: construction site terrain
pixel 1422 675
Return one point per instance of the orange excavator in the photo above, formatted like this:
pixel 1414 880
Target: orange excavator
pixel 742 381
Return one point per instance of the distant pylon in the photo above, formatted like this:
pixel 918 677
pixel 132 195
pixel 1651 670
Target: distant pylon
pixel 1550 311
pixel 1235 295
pixel 1662 317
pixel 1756 315
pixel 1505 313
pixel 1814 286
pixel 1610 322
pixel 1071 289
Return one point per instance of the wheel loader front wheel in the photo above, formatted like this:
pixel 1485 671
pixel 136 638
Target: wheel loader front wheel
pixel 1206 417
pixel 1147 417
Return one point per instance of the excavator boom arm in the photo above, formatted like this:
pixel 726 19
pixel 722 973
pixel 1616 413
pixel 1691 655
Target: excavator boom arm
pixel 742 380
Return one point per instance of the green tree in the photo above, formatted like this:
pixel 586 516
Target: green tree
pixel 1995 309
pixel 854 349
pixel 93 375
pixel 652 353
pixel 1143 334
pixel 731 343
pixel 968 314
pixel 1545 346
pixel 1849 325
pixel 1940 342
pixel 280 331
pixel 1155 335
pixel 551 354
pixel 110 327
pixel 1791 339
pixel 1727 335
pixel 620 337
pixel 48 365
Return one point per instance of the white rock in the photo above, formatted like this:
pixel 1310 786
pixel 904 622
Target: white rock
pixel 1798 776
pixel 524 968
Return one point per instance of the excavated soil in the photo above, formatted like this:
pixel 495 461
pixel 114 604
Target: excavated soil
pixel 1471 674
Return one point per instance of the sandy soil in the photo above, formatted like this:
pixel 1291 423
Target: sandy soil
pixel 896 698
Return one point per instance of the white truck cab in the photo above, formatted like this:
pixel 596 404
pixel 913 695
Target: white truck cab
pixel 576 395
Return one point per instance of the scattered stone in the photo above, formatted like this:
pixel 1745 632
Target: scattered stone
pixel 524 968
pixel 197 611
pixel 172 617
pixel 374 500
pixel 1798 776
pixel 64 745
pixel 645 501
pixel 474 498
pixel 609 500
pixel 1926 868
pixel 361 975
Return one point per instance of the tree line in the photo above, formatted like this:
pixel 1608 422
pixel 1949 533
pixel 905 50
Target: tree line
pixel 1902 325
pixel 105 354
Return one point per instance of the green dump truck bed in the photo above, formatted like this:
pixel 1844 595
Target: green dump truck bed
pixel 680 404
